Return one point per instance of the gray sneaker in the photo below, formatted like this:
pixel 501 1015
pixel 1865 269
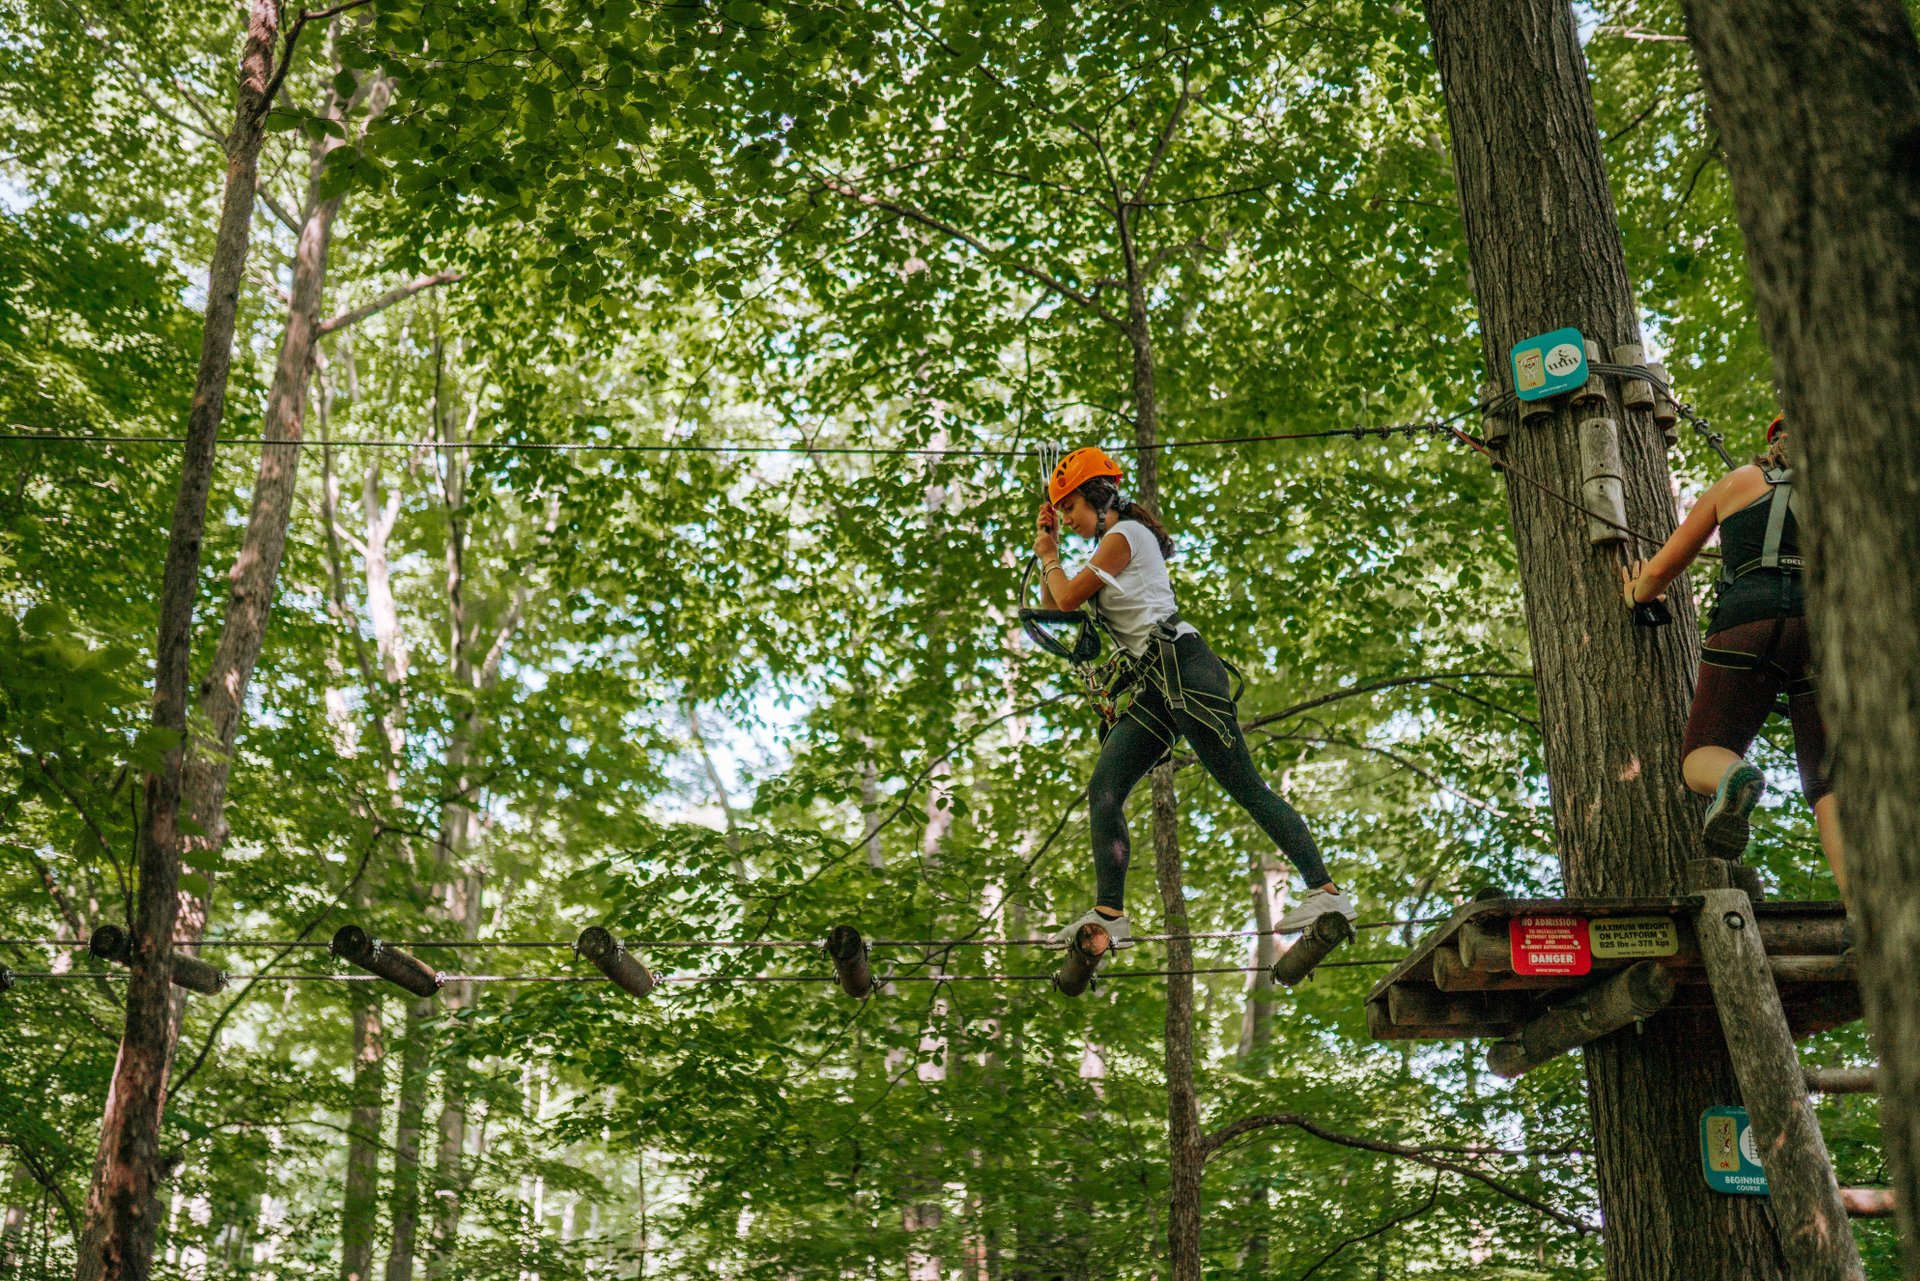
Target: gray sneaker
pixel 1315 905
pixel 1116 927
pixel 1726 828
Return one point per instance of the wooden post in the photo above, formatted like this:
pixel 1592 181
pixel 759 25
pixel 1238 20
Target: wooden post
pixel 1666 414
pixel 112 943
pixel 1601 485
pixel 849 953
pixel 1594 390
pixel 1629 996
pixel 351 944
pixel 1486 948
pixel 1635 393
pixel 1495 424
pixel 598 945
pixel 1325 933
pixel 1806 1197
pixel 1075 975
pixel 1843 1080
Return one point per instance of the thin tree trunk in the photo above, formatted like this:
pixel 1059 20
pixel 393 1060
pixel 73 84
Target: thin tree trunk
pixel 409 1113
pixel 358 1214
pixel 1546 252
pixel 117 1240
pixel 1186 1148
pixel 1818 105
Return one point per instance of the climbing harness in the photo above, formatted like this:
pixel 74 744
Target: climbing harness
pixel 1103 683
pixel 1781 503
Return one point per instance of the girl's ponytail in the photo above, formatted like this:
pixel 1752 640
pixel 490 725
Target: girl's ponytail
pixel 1104 496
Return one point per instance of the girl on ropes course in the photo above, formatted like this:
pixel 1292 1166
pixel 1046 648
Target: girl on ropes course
pixel 1180 688
pixel 1756 647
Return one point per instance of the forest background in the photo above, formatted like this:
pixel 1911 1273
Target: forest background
pixel 716 693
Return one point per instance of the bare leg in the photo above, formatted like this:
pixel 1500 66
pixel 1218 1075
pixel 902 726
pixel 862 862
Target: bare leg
pixel 1826 814
pixel 1705 767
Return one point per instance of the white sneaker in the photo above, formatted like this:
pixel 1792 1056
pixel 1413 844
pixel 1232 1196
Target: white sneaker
pixel 1116 927
pixel 1315 905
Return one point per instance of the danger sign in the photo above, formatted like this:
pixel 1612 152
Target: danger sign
pixel 1550 945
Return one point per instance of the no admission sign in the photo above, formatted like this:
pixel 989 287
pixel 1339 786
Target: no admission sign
pixel 1550 945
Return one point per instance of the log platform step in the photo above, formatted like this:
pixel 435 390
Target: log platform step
pixel 1498 965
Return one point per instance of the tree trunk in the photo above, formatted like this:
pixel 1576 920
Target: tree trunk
pixel 1546 252
pixel 408 1114
pixel 1186 1150
pixel 1819 111
pixel 358 1214
pixel 118 1237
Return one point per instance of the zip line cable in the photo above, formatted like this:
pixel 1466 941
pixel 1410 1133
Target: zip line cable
pixel 684 979
pixel 17 432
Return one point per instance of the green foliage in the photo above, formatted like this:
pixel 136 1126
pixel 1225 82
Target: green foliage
pixel 750 696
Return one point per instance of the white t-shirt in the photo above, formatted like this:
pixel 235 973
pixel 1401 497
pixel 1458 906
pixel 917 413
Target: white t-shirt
pixel 1138 596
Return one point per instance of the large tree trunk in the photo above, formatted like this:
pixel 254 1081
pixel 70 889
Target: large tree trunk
pixel 1546 252
pixel 1818 106
pixel 121 1210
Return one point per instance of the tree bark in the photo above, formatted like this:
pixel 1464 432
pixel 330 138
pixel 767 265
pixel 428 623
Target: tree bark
pixel 118 1238
pixel 358 1216
pixel 1818 106
pixel 1186 1145
pixel 408 1114
pixel 1545 247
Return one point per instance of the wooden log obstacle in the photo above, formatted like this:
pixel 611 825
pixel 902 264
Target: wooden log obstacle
pixel 353 945
pixel 112 943
pixel 1541 977
pixel 599 946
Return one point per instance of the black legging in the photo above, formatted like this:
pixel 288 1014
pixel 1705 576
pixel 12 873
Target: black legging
pixel 1147 730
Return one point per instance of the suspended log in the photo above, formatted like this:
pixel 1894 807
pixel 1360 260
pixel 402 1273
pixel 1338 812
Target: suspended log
pixel 1325 933
pixel 1075 975
pixel 1868 1203
pixel 1843 1080
pixel 849 954
pixel 352 945
pixel 112 943
pixel 1804 1194
pixel 1631 995
pixel 599 946
pixel 6 979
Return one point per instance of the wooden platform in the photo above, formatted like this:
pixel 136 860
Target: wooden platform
pixel 1465 981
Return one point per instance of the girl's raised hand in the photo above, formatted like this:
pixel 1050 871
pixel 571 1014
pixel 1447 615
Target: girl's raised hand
pixel 1046 543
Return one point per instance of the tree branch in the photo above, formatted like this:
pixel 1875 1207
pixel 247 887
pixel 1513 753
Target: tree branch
pixel 1384 1226
pixel 392 296
pixel 293 34
pixel 1374 687
pixel 1165 143
pixel 1271 1120
pixel 947 229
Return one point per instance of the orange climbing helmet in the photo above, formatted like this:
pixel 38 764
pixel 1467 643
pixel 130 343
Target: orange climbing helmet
pixel 1774 428
pixel 1077 468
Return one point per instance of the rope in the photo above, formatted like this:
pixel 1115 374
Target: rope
pixel 18 432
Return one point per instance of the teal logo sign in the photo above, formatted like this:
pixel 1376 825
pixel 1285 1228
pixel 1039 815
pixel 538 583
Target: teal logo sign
pixel 1550 364
pixel 1729 1153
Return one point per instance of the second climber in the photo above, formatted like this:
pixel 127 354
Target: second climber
pixel 1181 688
pixel 1757 648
